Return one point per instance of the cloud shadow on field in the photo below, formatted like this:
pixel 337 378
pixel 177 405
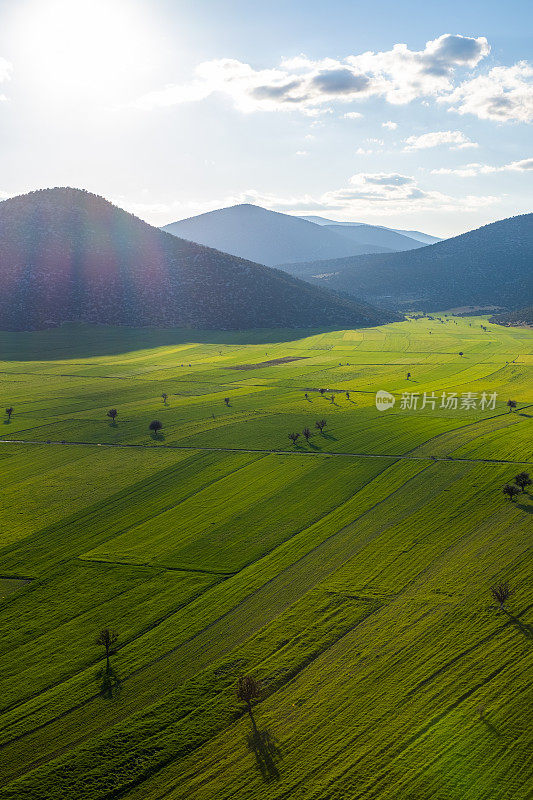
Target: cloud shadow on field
pixel 79 340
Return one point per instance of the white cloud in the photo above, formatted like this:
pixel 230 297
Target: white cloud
pixel 390 125
pixel 5 69
pixel 456 139
pixel 469 170
pixel 370 194
pixel 399 75
pixel 5 74
pixel 302 153
pixel 353 115
pixel 504 94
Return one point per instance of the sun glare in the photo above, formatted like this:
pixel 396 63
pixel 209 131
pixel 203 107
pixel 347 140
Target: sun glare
pixel 85 45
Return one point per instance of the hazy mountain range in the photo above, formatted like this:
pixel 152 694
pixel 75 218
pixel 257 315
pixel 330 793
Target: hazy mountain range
pixel 490 266
pixel 67 254
pixel 418 236
pixel 271 238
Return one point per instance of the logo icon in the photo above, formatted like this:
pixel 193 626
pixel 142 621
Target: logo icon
pixel 384 400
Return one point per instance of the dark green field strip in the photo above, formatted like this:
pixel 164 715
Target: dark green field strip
pixel 140 501
pixel 48 650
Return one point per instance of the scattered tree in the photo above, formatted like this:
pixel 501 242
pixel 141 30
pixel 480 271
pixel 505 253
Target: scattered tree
pixel 112 414
pixel 307 433
pixel 512 404
pixel 164 395
pixel 248 689
pixel 332 398
pixel 226 400
pixel 9 411
pixel 347 395
pixel 107 638
pixel 294 437
pixel 460 354
pixel 155 426
pixel 408 375
pixel 321 424
pixel 306 396
pixel 501 593
pixel 523 480
pixel 510 490
pixel 322 391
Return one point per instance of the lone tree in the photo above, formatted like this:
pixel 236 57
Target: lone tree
pixel 511 491
pixel 512 404
pixel 523 480
pixel 155 426
pixel 226 400
pixel 321 391
pixel 248 689
pixel 112 413
pixel 164 395
pixel 293 437
pixel 332 398
pixel 107 638
pixel 460 354
pixel 408 375
pixel 9 411
pixel 501 593
pixel 321 424
pixel 306 396
pixel 347 395
pixel 307 433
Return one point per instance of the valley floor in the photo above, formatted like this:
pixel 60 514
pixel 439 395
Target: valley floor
pixel 353 584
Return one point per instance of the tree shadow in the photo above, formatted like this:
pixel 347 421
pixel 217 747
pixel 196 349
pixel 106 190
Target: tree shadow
pixel 266 750
pixel 516 622
pixel 329 436
pixel 528 508
pixel 157 436
pixel 7 421
pixel 110 683
pixel 488 724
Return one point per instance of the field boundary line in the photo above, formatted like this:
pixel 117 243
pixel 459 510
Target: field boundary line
pixel 327 453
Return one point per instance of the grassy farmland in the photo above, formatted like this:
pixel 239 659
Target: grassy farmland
pixel 349 574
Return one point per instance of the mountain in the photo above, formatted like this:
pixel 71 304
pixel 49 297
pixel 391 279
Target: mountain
pixel 380 237
pixel 66 255
pixel 266 237
pixel 521 318
pixel 418 236
pixel 488 266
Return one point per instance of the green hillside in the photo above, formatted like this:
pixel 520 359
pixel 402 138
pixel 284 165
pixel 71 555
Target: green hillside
pixel 350 574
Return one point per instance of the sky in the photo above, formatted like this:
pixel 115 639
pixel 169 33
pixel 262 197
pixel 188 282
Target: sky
pixel 413 115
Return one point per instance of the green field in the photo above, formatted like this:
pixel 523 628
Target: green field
pixel 349 574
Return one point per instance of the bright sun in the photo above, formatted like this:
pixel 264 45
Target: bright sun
pixel 86 45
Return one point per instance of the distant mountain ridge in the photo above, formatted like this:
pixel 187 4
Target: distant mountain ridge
pixel 271 238
pixel 67 254
pixel 417 236
pixel 492 265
